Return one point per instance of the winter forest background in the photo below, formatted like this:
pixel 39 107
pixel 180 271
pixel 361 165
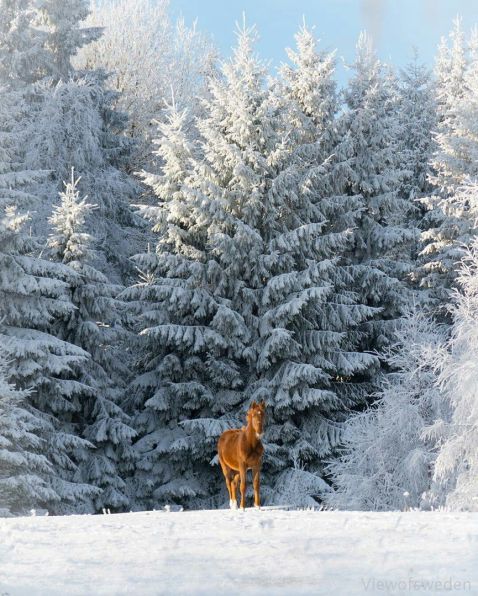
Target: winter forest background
pixel 181 235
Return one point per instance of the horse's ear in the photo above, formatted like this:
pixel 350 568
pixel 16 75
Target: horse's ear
pixel 263 404
pixel 253 405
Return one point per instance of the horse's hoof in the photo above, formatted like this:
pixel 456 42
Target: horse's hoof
pixel 257 507
pixel 233 504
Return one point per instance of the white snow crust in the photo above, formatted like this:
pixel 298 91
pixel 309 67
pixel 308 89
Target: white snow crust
pixel 230 552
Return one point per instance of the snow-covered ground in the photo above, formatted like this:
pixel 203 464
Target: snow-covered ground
pixel 232 552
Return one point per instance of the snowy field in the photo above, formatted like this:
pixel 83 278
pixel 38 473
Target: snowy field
pixel 231 552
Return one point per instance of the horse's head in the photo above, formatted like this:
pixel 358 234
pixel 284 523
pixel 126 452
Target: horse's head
pixel 255 417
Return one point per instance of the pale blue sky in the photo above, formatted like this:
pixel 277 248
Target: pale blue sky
pixel 396 25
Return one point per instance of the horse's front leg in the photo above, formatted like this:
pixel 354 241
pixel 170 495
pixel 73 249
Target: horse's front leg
pixel 256 476
pixel 243 474
pixel 234 483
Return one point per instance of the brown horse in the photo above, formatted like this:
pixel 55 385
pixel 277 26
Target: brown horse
pixel 240 450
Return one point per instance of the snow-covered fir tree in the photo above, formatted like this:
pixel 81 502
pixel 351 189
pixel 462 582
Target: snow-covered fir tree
pixel 451 215
pixel 94 326
pixel 33 295
pixel 451 69
pixel 68 120
pixel 22 56
pixel 308 88
pixel 172 55
pixel 63 34
pixel 68 127
pixel 417 114
pixel 384 236
pixel 418 119
pixel 203 285
pixel 244 279
pixel 457 461
pixel 23 468
pixel 191 337
pixel 388 450
pixel 306 364
pixel 49 122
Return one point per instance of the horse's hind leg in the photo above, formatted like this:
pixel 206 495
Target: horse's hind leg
pixel 226 470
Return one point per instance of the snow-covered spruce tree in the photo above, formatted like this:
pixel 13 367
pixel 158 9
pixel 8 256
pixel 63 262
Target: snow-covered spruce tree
pixel 242 284
pixel 305 360
pixel 308 89
pixel 449 220
pixel 456 467
pixel 33 294
pixel 193 366
pixel 385 234
pixel 452 65
pixel 22 63
pixel 388 450
pixel 93 326
pixel 418 120
pixel 191 337
pixel 172 56
pixel 23 468
pixel 22 56
pixel 417 113
pixel 63 34
pixel 68 127
pixel 67 119
pixel 35 291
